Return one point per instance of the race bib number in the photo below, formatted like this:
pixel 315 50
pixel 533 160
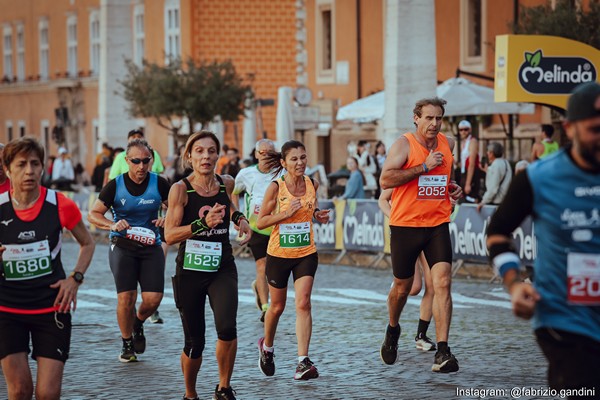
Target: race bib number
pixel 26 261
pixel 583 279
pixel 432 187
pixel 294 235
pixel 202 256
pixel 144 236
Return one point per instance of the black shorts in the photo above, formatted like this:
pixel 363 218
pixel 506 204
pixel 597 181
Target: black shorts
pixel 50 337
pixel 572 359
pixel 278 269
pixel 258 244
pixel 144 265
pixel 190 289
pixel 408 242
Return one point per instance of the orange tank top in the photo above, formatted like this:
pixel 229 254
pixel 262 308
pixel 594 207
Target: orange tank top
pixel 293 237
pixel 424 201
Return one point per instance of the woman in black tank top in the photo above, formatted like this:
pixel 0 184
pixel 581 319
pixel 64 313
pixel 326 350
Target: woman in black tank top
pixel 200 210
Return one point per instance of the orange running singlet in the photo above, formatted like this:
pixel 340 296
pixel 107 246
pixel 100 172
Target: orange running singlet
pixel 424 201
pixel 293 237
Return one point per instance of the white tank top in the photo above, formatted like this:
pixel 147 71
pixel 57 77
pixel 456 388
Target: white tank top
pixel 464 154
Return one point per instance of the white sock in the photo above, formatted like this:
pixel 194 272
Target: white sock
pixel 267 348
pixel 301 358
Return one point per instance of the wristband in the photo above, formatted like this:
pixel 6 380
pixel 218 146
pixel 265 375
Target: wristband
pixel 425 168
pixel 199 225
pixel 237 216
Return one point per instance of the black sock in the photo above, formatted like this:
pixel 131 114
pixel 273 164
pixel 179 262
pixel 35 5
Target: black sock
pixel 393 330
pixel 442 346
pixel 137 323
pixel 422 328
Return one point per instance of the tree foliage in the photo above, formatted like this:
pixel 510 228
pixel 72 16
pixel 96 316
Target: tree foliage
pixel 566 20
pixel 196 92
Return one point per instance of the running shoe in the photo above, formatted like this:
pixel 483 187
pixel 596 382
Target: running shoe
pixel 306 370
pixel 187 398
pixel 265 359
pixel 139 340
pixel 256 296
pixel 224 394
pixel 155 318
pixel 424 343
pixel 444 362
pixel 127 353
pixel 389 348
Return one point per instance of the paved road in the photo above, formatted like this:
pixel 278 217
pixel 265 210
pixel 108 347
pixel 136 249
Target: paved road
pixel 495 350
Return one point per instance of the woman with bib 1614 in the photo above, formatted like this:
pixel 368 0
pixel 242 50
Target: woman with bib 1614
pixel 290 205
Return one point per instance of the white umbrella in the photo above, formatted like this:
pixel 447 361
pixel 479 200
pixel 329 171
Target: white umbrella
pixel 463 96
pixel 367 109
pixel 468 98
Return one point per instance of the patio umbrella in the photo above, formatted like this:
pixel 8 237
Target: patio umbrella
pixel 464 97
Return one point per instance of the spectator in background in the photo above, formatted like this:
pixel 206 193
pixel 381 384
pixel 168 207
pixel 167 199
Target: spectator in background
pixel 182 169
pixel 99 172
pixel 104 153
pixel 367 165
pixel 355 186
pixel 82 178
pixel 546 146
pixel 63 174
pixel 253 157
pixel 380 154
pixel 521 166
pixel 4 181
pixel 470 169
pixel 233 164
pixel 223 159
pixel 498 177
pixel 47 175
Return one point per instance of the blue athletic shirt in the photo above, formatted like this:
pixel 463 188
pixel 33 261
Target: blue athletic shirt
pixel 139 211
pixel 566 207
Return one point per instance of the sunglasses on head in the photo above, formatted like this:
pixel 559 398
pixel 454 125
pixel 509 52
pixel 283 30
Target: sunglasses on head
pixel 140 160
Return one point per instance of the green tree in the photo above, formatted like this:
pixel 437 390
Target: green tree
pixel 566 20
pixel 196 92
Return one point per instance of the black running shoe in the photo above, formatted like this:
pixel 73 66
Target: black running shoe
pixel 265 359
pixel 195 398
pixel 306 370
pixel 389 348
pixel 224 393
pixel 422 342
pixel 127 353
pixel 139 340
pixel 444 362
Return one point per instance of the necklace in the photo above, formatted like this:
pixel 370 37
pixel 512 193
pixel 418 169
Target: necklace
pixel 30 202
pixel 208 188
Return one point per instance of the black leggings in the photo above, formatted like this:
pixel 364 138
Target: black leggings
pixel 190 290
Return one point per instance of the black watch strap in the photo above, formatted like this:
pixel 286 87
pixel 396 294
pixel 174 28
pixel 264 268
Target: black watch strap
pixel 77 276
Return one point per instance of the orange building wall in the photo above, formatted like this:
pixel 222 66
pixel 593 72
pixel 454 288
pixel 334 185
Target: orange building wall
pixel 258 36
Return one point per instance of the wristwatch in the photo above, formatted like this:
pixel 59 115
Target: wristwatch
pixel 78 276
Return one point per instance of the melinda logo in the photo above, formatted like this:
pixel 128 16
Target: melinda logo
pixel 554 75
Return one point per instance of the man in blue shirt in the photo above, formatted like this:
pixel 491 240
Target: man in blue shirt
pixel 562 194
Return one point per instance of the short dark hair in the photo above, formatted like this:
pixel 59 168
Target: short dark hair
pixel 135 132
pixel 548 130
pixel 141 143
pixel 27 145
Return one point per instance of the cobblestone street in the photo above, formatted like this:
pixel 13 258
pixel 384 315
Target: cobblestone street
pixel 494 349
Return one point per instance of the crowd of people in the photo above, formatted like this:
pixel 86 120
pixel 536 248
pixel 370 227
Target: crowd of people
pixel 280 208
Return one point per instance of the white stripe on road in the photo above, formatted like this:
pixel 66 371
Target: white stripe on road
pixel 344 297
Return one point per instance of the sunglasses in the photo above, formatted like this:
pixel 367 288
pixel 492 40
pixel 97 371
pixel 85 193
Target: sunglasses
pixel 463 129
pixel 141 160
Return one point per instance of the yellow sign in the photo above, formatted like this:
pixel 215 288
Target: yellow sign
pixel 542 69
